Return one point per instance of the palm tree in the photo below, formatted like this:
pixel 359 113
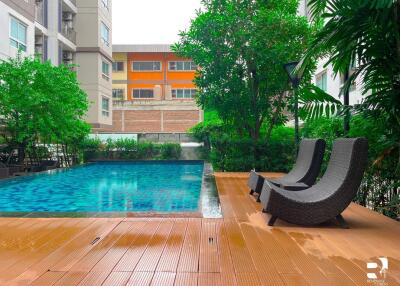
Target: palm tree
pixel 365 34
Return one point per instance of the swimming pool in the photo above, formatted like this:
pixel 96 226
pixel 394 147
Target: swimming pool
pixel 151 186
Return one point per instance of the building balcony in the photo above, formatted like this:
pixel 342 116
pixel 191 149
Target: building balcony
pixel 40 15
pixel 68 32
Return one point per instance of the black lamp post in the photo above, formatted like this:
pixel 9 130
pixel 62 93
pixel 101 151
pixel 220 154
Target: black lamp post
pixel 295 79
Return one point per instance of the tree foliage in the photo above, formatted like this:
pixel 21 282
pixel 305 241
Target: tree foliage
pixel 241 47
pixel 366 35
pixel 42 103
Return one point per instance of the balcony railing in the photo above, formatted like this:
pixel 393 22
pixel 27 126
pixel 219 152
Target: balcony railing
pixel 68 32
pixel 39 13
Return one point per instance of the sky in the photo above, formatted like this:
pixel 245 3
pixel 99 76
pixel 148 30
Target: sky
pixel 151 21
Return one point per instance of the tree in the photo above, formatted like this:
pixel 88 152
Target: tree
pixel 366 35
pixel 40 102
pixel 241 47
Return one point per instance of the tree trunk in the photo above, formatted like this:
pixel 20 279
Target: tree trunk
pixel 21 152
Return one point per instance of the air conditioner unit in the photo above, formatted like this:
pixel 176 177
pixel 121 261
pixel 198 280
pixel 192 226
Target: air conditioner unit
pixel 39 41
pixel 67 56
pixel 67 16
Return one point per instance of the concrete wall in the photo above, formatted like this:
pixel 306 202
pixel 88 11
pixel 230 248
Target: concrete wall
pixel 18 9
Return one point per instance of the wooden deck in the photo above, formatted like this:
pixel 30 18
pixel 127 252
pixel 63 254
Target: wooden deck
pixel 239 249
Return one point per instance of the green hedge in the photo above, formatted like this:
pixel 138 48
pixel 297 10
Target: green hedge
pixel 241 154
pixel 129 149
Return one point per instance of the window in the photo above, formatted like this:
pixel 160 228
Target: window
pixel 105 106
pixel 105 3
pixel 105 34
pixel 182 66
pixel 322 81
pixel 118 94
pixel 17 34
pixel 118 66
pixel 146 66
pixel 184 93
pixel 105 69
pixel 143 93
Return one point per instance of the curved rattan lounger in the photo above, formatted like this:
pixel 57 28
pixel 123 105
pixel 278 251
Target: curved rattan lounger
pixel 304 172
pixel 330 196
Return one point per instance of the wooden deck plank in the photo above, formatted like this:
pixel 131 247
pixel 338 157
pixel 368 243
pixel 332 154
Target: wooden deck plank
pixel 48 279
pixel 12 251
pixel 240 254
pixel 119 249
pixel 170 256
pixel 186 279
pixel 86 263
pixel 263 264
pixel 142 238
pixel 308 267
pixel 248 279
pixel 189 260
pixel 55 240
pixel 206 279
pixel 89 242
pixel 163 279
pixel 209 244
pixel 140 278
pixel 117 279
pixel 228 276
pixel 69 252
pixel 149 260
pixel 71 278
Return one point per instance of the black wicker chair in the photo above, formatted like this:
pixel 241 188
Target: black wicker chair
pixel 330 196
pixel 304 172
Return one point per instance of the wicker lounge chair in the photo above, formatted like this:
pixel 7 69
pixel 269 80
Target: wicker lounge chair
pixel 330 196
pixel 304 172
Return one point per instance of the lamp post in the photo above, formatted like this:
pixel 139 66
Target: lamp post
pixel 295 79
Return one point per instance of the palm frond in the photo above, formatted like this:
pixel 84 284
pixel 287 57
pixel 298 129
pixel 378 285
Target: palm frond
pixel 316 103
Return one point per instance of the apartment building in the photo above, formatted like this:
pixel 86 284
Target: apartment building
pixel 153 90
pixel 324 76
pixel 65 32
pixel 17 18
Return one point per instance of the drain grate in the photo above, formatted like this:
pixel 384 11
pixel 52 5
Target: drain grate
pixel 95 240
pixel 211 240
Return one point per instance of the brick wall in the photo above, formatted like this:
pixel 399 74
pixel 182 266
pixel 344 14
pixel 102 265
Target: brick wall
pixel 147 121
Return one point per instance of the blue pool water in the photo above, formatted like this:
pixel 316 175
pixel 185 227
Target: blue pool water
pixel 107 187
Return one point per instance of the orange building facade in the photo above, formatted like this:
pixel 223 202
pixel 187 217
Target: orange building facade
pixel 153 90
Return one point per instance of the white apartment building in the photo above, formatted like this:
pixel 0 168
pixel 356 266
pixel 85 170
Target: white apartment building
pixel 324 76
pixel 65 32
pixel 17 29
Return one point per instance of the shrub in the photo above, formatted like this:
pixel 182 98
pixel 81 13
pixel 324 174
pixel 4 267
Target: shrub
pixel 241 154
pixel 128 149
pixel 170 151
